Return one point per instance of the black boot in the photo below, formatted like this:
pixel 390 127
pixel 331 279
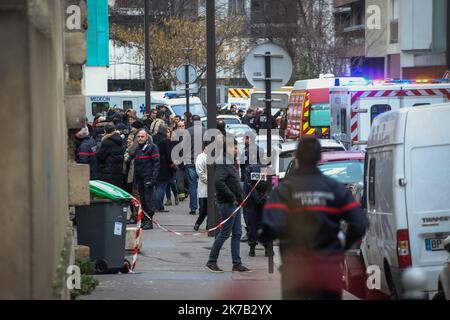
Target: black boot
pixel 252 252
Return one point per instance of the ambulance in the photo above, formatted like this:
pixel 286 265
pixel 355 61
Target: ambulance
pixel 240 97
pixel 309 106
pixel 354 108
pixel 176 104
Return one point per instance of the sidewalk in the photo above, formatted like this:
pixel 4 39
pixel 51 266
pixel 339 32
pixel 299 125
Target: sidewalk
pixel 172 267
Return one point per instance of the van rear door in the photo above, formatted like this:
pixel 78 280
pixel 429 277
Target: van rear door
pixel 427 169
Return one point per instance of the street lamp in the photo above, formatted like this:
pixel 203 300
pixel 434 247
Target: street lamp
pixel 187 51
pixel 147 56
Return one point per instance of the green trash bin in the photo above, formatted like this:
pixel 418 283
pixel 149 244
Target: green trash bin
pixel 102 227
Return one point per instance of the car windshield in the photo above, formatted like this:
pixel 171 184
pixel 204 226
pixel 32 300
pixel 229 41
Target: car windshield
pixel 238 130
pixel 285 159
pixel 230 120
pixel 194 109
pixel 349 171
pixel 320 115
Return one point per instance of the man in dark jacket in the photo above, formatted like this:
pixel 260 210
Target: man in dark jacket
pixel 305 212
pixel 167 167
pixel 86 151
pixel 110 157
pixel 229 196
pixel 196 132
pixel 146 170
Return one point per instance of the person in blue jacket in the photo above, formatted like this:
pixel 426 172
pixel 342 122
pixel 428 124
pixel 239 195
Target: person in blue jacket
pixel 86 151
pixel 146 171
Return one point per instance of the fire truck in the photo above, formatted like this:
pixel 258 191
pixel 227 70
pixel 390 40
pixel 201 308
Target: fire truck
pixel 354 108
pixel 309 106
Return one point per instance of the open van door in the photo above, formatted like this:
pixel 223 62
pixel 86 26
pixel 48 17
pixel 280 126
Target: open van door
pixel 427 183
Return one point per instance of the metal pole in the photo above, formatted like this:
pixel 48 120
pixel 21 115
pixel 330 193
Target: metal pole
pixel 147 56
pixel 186 70
pixel 212 108
pixel 268 73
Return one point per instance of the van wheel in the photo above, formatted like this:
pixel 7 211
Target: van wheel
pixel 390 282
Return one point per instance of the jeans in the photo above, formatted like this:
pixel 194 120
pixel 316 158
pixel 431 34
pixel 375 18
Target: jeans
pixel 160 192
pixel 192 178
pixel 203 202
pixel 232 226
pixel 172 185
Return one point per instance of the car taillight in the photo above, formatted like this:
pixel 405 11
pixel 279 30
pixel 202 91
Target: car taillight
pixel 403 251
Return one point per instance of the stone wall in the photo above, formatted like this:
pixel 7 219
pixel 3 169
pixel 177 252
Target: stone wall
pixel 35 231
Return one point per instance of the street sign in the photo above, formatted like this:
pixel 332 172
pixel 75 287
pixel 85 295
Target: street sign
pixel 281 66
pixel 181 73
pixel 181 89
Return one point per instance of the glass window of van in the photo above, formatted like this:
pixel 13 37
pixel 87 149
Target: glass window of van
pixel 421 104
pixel 99 107
pixel 320 115
pixel 127 105
pixel 378 109
pixel 343 120
pixel 372 182
pixel 194 109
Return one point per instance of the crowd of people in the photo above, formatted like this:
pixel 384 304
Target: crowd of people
pixel 136 155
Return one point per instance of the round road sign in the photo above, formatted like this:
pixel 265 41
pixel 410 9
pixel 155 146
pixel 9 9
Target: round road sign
pixel 181 73
pixel 281 66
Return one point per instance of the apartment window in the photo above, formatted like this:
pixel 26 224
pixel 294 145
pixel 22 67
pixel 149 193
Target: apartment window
pixel 394 12
pixel 236 7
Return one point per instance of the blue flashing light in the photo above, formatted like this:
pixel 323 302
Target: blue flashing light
pixel 354 82
pixel 170 95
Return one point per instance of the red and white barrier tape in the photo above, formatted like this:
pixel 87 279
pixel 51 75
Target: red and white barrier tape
pixel 141 212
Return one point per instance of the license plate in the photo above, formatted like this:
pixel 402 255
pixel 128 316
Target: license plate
pixel 434 244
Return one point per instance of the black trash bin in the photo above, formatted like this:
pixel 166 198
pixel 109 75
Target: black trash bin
pixel 102 227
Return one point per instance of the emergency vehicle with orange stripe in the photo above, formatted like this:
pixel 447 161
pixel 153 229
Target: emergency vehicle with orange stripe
pixel 309 106
pixel 240 97
pixel 354 108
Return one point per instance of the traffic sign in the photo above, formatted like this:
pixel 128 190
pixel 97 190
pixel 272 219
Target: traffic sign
pixel 181 73
pixel 181 89
pixel 281 66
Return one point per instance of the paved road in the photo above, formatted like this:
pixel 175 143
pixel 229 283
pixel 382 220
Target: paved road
pixel 171 267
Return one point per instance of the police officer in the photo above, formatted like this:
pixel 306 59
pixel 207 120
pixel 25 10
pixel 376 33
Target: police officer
pixel 255 184
pixel 146 170
pixel 305 212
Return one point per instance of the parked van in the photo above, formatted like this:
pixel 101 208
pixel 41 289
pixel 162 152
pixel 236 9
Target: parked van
pixel 102 102
pixel 407 194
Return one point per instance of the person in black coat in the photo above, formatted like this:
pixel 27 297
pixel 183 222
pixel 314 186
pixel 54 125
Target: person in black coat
pixel 110 157
pixel 167 167
pixel 255 179
pixel 229 196
pixel 86 151
pixel 146 171
pixel 306 212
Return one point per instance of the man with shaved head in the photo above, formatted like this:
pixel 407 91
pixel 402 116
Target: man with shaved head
pixel 146 170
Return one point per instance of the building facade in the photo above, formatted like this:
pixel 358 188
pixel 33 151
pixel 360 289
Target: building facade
pixel 395 39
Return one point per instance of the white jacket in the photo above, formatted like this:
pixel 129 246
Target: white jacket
pixel 201 168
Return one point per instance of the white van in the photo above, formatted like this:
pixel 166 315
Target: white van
pixel 407 188
pixel 102 102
